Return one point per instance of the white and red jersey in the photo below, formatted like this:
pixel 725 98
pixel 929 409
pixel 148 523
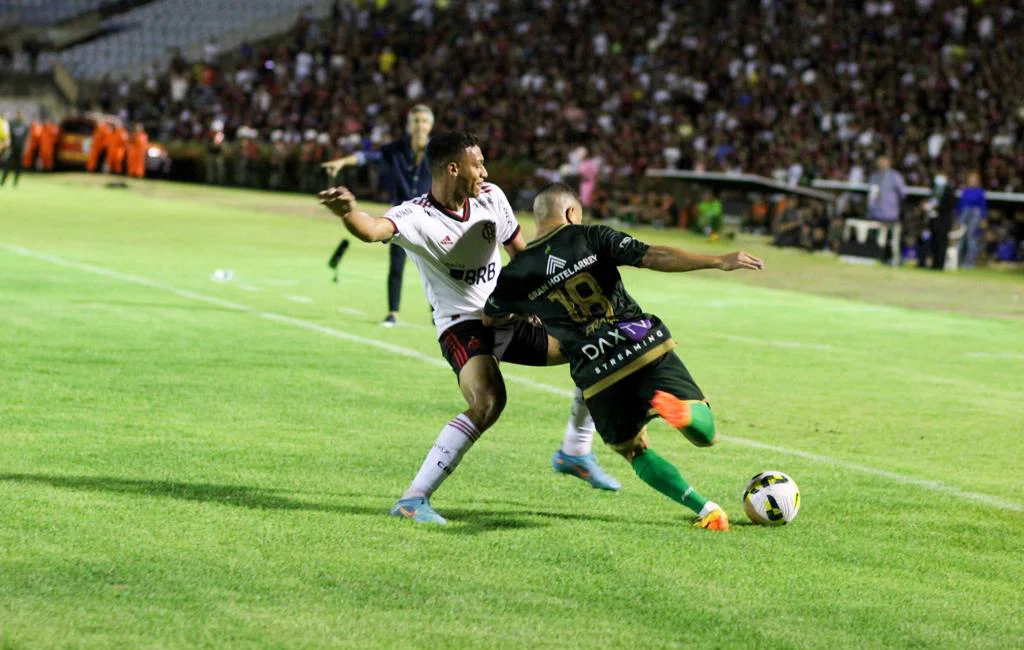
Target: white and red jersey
pixel 456 253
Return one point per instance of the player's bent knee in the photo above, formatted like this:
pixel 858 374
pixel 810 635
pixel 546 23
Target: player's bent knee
pixel 487 408
pixel 701 430
pixel 484 390
pixel 700 440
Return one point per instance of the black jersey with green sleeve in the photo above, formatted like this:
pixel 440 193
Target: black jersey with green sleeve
pixel 570 279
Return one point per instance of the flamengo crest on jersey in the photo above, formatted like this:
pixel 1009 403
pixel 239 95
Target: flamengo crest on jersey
pixel 456 252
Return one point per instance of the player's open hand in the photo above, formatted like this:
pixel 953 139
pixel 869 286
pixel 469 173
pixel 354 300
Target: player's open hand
pixel 338 200
pixel 333 167
pixel 740 260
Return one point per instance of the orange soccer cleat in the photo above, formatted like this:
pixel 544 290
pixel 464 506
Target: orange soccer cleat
pixel 714 520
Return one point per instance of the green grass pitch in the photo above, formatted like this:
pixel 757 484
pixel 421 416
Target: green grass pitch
pixel 186 463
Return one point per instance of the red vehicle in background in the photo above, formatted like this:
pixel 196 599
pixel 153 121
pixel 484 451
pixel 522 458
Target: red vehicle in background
pixel 78 137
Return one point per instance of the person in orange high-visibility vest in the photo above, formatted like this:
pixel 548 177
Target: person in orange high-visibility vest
pixel 138 145
pixel 48 144
pixel 118 150
pixel 100 142
pixel 35 132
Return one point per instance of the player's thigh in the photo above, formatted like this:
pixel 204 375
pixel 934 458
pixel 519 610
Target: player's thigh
pixel 670 375
pixel 555 355
pixel 523 343
pixel 620 413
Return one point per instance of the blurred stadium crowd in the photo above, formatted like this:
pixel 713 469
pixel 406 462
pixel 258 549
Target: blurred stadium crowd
pixel 791 90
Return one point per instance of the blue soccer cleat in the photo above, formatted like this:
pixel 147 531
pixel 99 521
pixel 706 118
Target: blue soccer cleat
pixel 417 509
pixel 586 468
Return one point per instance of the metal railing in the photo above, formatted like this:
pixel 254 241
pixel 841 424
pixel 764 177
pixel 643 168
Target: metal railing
pixel 1012 200
pixel 741 182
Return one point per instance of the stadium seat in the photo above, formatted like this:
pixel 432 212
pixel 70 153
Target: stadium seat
pixel 148 33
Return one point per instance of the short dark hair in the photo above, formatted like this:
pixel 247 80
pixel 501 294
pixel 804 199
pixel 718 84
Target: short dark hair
pixel 445 147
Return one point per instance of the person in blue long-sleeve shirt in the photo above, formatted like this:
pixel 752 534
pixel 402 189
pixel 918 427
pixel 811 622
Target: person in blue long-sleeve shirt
pixel 404 172
pixel 971 211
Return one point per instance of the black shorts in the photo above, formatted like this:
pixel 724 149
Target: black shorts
pixel 520 342
pixel 621 410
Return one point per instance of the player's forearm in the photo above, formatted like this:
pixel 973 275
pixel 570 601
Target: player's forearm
pixel 345 161
pixel 676 260
pixel 498 321
pixel 367 228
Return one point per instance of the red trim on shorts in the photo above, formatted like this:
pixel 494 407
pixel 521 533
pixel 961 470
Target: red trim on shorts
pixel 458 351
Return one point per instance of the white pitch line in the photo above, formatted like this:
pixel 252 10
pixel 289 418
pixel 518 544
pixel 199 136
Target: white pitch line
pixel 249 287
pixel 934 486
pixel 775 343
pixel 352 311
pixel 995 355
pixel 302 300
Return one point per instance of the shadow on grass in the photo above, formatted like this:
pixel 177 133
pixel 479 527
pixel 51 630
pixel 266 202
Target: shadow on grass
pixel 232 495
pixel 467 521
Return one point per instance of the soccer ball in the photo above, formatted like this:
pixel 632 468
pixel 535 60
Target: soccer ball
pixel 771 499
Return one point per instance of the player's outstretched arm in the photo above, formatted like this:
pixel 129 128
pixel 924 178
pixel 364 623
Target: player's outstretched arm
pixel 342 202
pixel 333 167
pixel 676 260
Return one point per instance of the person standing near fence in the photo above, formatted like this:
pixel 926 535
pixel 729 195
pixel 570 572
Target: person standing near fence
pixel 117 150
pixel 17 136
pixel 138 146
pixel 35 134
pixel 406 175
pixel 971 211
pixel 939 210
pixel 48 145
pixel 99 146
pixel 885 201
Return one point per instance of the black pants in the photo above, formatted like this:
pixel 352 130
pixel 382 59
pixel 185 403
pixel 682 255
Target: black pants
pixel 395 270
pixel 939 242
pixel 13 162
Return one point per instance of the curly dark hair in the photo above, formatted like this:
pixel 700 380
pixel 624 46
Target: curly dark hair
pixel 446 147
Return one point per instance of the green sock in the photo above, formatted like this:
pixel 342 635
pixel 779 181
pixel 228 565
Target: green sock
pixel 665 478
pixel 701 431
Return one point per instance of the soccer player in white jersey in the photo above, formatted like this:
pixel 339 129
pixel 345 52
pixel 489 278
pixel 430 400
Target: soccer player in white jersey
pixel 452 234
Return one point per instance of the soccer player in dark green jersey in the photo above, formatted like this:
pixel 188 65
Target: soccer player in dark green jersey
pixel 620 356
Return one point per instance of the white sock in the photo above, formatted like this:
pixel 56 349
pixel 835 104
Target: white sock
pixel 454 441
pixel 708 508
pixel 579 431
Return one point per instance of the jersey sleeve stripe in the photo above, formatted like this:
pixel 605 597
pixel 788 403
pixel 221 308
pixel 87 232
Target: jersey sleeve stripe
pixel 514 234
pixel 393 224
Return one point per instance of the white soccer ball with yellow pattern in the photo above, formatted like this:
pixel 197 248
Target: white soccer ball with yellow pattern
pixel 771 499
